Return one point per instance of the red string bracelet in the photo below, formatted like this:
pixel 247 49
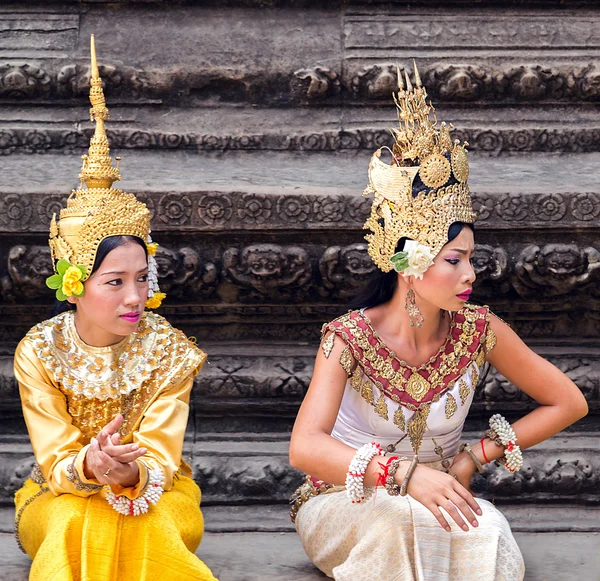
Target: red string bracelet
pixel 483 451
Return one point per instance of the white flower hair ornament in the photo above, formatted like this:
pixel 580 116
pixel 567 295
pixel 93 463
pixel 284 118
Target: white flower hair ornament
pixel 414 260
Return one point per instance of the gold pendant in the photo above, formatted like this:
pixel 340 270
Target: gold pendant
pixel 451 406
pixel 327 345
pixel 346 360
pixel 417 386
pixel 463 391
pixel 480 357
pixel 381 407
pixel 399 419
pixel 417 426
pixel 356 379
pixel 367 393
pixel 475 377
pixel 490 341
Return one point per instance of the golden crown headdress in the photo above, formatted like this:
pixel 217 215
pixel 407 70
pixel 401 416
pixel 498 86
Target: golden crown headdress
pixel 424 190
pixel 97 211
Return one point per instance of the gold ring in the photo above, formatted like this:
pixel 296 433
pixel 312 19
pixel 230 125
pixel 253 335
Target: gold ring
pixel 106 473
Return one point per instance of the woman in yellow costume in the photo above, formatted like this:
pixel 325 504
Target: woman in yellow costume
pixel 105 389
pixel 394 380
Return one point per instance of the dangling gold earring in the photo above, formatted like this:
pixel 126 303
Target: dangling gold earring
pixel 414 314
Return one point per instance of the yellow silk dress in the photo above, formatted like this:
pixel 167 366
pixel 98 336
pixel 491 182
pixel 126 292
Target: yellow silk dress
pixel 69 391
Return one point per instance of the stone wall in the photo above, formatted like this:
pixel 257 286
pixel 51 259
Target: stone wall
pixel 247 129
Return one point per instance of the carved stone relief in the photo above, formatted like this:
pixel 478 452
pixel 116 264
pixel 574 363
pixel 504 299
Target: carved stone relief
pixel 556 269
pixel 345 270
pixel 28 268
pixel 216 211
pixel 183 275
pixel 22 81
pixel 315 83
pixel 484 139
pixel 276 272
pixel 479 80
pixel 482 82
pixel 491 268
pixel 392 32
pixel 268 271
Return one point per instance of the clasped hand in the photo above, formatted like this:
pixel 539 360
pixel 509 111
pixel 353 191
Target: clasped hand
pixel 109 461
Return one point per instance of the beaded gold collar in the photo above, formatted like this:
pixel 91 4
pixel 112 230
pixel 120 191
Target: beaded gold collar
pixel 104 373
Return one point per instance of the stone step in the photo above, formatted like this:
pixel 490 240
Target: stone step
pixel 288 172
pixel 258 543
pixel 275 518
pixel 251 470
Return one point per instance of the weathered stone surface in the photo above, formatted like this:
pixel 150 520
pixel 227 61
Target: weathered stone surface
pixel 247 126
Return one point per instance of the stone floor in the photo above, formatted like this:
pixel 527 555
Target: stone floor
pixel 258 543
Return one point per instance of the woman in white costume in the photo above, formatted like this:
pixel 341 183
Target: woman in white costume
pixel 394 380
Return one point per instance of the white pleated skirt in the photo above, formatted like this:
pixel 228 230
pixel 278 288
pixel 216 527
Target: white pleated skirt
pixel 394 538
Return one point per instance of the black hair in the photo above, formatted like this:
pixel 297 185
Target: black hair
pixel 380 288
pixel 106 246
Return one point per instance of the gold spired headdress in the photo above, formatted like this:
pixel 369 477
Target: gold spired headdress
pixel 424 190
pixel 98 211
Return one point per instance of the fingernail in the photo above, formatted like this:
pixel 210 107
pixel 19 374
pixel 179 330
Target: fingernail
pixel 447 528
pixel 479 512
pixel 475 523
pixel 465 528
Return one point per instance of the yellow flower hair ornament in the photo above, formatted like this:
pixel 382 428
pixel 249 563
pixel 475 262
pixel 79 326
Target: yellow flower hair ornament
pixel 155 300
pixel 67 281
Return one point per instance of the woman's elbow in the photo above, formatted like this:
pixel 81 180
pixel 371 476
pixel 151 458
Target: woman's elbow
pixel 295 454
pixel 575 407
pixel 582 407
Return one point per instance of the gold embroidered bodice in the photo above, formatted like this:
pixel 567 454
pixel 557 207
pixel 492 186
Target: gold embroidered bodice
pixel 402 394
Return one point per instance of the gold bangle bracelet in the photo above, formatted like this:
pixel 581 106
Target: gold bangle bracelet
pixel 467 448
pixel 409 473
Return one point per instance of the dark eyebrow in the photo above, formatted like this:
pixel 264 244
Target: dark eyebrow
pixel 461 250
pixel 113 272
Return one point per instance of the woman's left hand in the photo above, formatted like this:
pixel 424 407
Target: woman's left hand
pixel 464 468
pixel 111 462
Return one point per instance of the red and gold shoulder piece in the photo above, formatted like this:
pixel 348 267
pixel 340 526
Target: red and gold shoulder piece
pixel 414 387
pixel 344 327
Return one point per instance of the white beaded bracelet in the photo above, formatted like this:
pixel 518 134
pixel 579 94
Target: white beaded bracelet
pixel 141 504
pixel 356 472
pixel 505 436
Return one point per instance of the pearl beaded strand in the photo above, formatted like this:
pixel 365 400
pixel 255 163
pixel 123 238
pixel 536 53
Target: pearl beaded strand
pixel 513 457
pixel 356 472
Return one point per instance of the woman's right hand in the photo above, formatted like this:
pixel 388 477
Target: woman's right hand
pixel 435 489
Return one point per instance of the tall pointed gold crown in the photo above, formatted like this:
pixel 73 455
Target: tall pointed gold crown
pixel 424 190
pixel 97 211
